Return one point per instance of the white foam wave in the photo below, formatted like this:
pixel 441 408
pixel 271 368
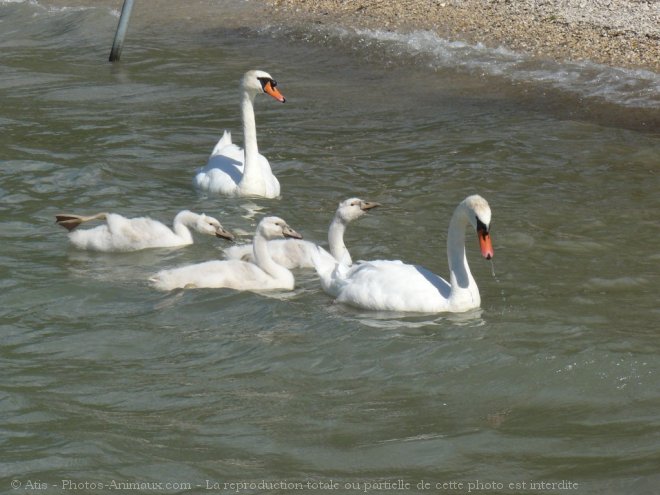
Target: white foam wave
pixel 54 9
pixel 627 87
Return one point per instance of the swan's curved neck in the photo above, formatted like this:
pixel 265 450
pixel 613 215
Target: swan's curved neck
pixel 182 221
pixel 463 286
pixel 336 241
pixel 251 172
pixel 265 261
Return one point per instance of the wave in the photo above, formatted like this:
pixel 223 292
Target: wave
pixel 627 87
pixel 633 88
pixel 54 9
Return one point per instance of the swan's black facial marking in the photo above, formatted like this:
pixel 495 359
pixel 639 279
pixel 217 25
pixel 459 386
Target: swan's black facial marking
pixel 482 228
pixel 266 80
pixel 268 86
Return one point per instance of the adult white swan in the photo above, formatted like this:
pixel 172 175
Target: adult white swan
pixel 264 274
pixel 296 253
pixel 395 286
pixel 231 171
pixel 132 234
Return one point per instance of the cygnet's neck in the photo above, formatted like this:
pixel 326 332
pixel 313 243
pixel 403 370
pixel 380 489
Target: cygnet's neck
pixel 336 241
pixel 182 221
pixel 264 260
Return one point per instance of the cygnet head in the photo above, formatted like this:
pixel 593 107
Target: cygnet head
pixel 479 215
pixel 209 225
pixel 353 208
pixel 260 82
pixel 274 227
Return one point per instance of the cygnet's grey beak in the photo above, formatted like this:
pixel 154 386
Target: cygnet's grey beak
pixel 290 233
pixel 368 205
pixel 223 233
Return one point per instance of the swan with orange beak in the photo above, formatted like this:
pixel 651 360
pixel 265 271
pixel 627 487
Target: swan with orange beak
pixel 391 285
pixel 231 170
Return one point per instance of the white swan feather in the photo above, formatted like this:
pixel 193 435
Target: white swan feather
pixel 264 274
pixel 119 233
pixel 385 285
pixel 296 253
pixel 232 171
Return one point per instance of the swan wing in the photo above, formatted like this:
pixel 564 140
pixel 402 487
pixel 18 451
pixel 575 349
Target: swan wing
pixel 130 234
pixel 230 274
pixel 223 171
pixel 392 286
pixel 96 239
pixel 223 142
pixel 263 184
pixel 124 234
pixel 290 253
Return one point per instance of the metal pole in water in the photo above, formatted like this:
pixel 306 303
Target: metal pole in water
pixel 122 27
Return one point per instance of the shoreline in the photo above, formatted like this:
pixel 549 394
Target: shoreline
pixel 620 33
pixel 617 33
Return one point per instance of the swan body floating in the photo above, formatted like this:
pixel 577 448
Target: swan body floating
pixel 296 253
pixel 132 234
pixel 230 171
pixel 263 274
pixel 396 286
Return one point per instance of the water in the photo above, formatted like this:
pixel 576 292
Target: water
pixel 107 381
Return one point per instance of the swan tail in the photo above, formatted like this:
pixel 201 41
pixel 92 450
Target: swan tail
pixel 70 222
pixel 224 141
pixel 163 281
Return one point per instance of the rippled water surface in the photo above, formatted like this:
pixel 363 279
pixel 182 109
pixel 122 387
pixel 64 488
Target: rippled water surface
pixel 105 380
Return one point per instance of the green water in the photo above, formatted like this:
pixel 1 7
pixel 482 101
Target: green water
pixel 107 381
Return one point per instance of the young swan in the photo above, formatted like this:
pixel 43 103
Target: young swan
pixel 263 274
pixel 120 234
pixel 395 286
pixel 295 253
pixel 231 171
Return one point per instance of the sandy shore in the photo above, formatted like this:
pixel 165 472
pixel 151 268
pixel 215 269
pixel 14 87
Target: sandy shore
pixel 624 33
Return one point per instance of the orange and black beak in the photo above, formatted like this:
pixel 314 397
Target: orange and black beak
pixel 270 88
pixel 484 241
